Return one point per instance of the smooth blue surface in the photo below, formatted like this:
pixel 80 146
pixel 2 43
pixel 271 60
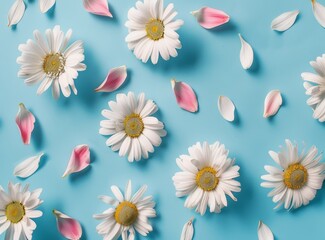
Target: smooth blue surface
pixel 209 62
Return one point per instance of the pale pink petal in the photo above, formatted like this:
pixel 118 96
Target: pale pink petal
pixel 210 17
pixel 185 96
pixel 272 103
pixel 115 78
pixel 98 7
pixel 67 226
pixel 25 121
pixel 79 160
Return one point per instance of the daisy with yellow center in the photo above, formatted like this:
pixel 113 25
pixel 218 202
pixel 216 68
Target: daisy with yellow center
pixel 129 214
pixel 152 30
pixel 315 88
pixel 134 131
pixel 300 176
pixel 51 62
pixel 17 208
pixel 207 177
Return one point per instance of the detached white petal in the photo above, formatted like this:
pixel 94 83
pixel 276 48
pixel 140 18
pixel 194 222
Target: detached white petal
pixel 25 121
pixel 79 160
pixel 226 108
pixel 284 21
pixel 319 12
pixel 272 103
pixel 246 53
pixel 28 167
pixel 46 5
pixel 264 232
pixel 16 12
pixel 188 230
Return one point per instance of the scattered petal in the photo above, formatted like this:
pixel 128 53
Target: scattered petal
pixel 188 230
pixel 272 103
pixel 28 167
pixel 226 108
pixel 98 7
pixel 79 160
pixel 246 54
pixel 67 226
pixel 284 21
pixel 185 96
pixel 46 5
pixel 25 121
pixel 264 232
pixel 115 78
pixel 210 18
pixel 319 12
pixel 16 12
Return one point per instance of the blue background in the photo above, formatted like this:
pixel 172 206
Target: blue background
pixel 209 62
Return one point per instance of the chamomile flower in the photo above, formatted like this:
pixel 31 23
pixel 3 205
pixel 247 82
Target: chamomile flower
pixel 315 88
pixel 134 131
pixel 51 61
pixel 152 30
pixel 128 215
pixel 207 177
pixel 298 179
pixel 17 208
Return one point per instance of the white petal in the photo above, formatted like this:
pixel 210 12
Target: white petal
pixel 272 103
pixel 28 167
pixel 284 21
pixel 264 232
pixel 45 5
pixel 246 53
pixel 188 230
pixel 319 12
pixel 226 108
pixel 16 12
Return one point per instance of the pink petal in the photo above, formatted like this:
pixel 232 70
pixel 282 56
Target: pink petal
pixel 272 103
pixel 210 17
pixel 79 160
pixel 98 7
pixel 67 226
pixel 25 121
pixel 115 78
pixel 185 96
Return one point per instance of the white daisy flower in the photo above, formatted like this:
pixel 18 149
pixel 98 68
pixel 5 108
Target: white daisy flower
pixel 300 176
pixel 134 131
pixel 152 30
pixel 315 88
pixel 129 214
pixel 207 177
pixel 17 208
pixel 51 62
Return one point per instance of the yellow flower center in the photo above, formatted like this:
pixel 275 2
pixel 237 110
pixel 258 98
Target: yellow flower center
pixel 53 64
pixel 133 125
pixel 126 213
pixel 206 179
pixel 295 176
pixel 155 29
pixel 15 212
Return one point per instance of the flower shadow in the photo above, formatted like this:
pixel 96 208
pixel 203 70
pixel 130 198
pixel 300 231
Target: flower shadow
pixel 87 80
pixel 188 56
pixel 37 135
